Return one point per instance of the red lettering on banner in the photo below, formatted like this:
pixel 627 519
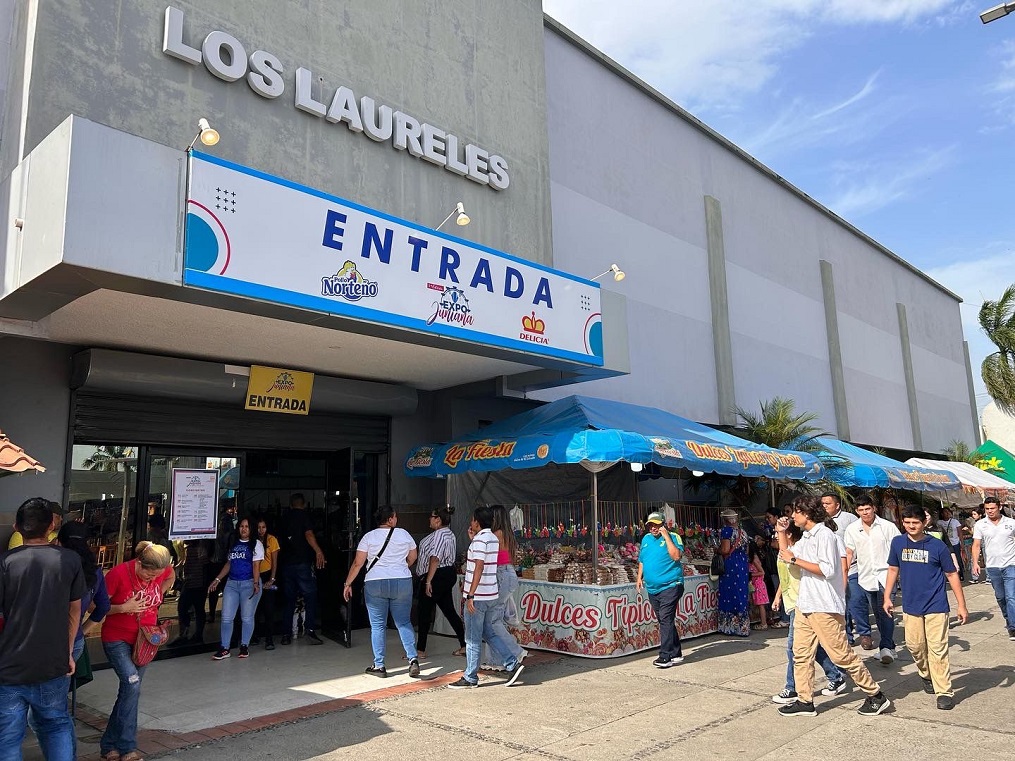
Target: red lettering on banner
pixel 623 614
pixel 559 613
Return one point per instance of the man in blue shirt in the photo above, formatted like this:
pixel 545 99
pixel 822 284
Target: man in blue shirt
pixel 923 562
pixel 662 575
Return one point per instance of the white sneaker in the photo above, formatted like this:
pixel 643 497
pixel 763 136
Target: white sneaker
pixel 887 656
pixel 491 667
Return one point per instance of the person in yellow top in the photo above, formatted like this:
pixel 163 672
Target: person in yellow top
pixel 785 597
pixel 264 618
pixel 17 540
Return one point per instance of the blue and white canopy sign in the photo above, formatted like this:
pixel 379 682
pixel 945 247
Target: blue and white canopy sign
pixel 263 237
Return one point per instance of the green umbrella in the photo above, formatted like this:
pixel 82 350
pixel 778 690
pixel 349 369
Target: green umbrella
pixel 996 460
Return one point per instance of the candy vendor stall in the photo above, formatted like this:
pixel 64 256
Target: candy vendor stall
pixel 566 604
pixel 590 606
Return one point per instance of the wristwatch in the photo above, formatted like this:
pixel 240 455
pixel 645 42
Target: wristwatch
pixel 469 597
pixel 792 559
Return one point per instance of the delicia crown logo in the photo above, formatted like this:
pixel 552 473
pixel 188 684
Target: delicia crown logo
pixel 533 324
pixel 349 284
pixel 532 329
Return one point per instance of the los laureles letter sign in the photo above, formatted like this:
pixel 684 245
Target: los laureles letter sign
pixel 225 57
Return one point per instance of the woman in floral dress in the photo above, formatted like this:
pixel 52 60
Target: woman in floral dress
pixel 734 584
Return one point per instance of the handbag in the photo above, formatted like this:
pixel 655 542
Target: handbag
pixel 149 639
pixel 718 567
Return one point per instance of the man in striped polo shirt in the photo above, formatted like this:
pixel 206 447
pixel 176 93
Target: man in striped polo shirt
pixel 480 593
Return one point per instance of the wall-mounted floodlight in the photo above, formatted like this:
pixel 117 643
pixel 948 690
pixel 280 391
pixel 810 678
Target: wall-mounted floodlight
pixel 207 134
pixel 618 273
pixel 461 220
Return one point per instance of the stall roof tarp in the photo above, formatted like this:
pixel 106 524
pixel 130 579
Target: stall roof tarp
pixel 850 465
pixel 970 477
pixel 581 429
pixel 996 460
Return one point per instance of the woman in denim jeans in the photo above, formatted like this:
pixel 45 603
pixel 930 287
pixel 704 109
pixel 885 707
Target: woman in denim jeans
pixel 242 591
pixel 507 584
pixel 136 589
pixel 388 552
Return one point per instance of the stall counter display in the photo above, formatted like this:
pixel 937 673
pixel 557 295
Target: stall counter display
pixel 606 621
pixel 601 621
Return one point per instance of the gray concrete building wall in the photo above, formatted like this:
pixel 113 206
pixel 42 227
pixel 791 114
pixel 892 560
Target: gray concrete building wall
pixel 468 67
pixel 34 410
pixel 629 173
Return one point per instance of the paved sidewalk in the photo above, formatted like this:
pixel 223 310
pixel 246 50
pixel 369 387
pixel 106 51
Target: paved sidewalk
pixel 316 703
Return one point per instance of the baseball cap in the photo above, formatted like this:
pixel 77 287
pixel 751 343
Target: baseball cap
pixel 655 518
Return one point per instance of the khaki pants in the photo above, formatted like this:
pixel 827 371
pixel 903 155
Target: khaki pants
pixel 927 640
pixel 829 631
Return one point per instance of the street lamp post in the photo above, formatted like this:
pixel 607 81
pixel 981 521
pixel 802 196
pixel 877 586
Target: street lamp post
pixel 998 11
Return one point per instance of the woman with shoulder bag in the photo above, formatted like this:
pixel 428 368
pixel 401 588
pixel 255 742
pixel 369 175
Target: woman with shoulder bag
pixel 387 552
pixel 734 602
pixel 136 589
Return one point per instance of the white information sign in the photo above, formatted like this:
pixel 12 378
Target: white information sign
pixel 263 237
pixel 194 511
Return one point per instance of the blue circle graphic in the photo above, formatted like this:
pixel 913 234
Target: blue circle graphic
pixel 202 244
pixel 596 339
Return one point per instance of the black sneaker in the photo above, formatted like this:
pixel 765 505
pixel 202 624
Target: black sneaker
pixel 222 654
pixel 874 705
pixel 313 638
pixel 796 708
pixel 378 671
pixel 945 702
pixel 662 663
pixel 1011 634
pixel 244 651
pixel 834 688
pixel 786 697
pixel 269 644
pixel 287 639
pixel 928 686
pixel 255 641
pixel 463 684
pixel 414 668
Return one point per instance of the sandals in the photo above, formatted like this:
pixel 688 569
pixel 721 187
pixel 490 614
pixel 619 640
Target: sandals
pixel 459 651
pixel 760 627
pixel 111 755
pixel 134 755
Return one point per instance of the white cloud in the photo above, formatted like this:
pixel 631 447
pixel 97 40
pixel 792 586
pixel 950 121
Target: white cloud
pixel 869 187
pixel 706 54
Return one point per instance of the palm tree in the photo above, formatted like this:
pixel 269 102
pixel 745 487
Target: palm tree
pixel 780 426
pixel 959 451
pixel 109 458
pixel 997 320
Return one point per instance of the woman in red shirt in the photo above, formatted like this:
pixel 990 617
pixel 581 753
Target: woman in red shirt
pixel 136 589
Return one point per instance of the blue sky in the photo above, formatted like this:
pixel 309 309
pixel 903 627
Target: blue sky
pixel 899 115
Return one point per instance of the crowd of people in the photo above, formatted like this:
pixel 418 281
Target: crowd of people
pixel 814 568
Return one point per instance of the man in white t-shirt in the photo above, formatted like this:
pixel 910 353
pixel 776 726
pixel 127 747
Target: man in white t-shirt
pixel 950 528
pixel 833 507
pixel 868 542
pixel 480 592
pixel 820 608
pixel 995 533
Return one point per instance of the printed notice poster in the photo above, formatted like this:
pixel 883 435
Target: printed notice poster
pixel 194 513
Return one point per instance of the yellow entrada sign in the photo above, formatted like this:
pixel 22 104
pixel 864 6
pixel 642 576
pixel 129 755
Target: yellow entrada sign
pixel 272 389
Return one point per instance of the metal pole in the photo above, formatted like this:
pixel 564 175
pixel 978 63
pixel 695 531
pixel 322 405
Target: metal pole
pixel 595 523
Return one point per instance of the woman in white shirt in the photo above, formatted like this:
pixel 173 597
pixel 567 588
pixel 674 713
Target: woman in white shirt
pixel 387 552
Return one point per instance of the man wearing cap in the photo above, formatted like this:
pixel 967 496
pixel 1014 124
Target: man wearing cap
pixel 662 574
pixel 58 512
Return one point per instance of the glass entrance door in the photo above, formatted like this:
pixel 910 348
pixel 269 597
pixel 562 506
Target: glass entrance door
pixel 154 521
